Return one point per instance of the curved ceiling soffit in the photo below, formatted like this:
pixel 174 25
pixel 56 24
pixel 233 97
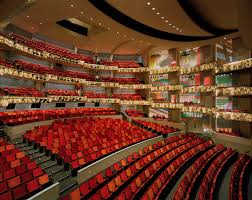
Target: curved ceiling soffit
pixel 119 45
pixel 201 22
pixel 131 23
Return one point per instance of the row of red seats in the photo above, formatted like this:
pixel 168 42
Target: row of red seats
pixel 78 142
pixel 127 96
pixel 126 166
pixel 20 91
pixel 186 188
pixel 37 68
pixel 129 180
pixel 95 95
pixel 158 117
pixel 206 190
pixel 157 128
pixel 41 69
pixel 237 188
pixel 50 48
pixel 19 176
pixel 121 80
pixel 122 64
pixel 134 113
pixel 61 92
pixel 228 131
pixel 28 116
pixel 162 184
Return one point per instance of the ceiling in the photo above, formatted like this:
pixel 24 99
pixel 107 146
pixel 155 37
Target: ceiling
pixel 113 36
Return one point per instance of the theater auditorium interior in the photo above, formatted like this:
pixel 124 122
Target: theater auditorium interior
pixel 125 99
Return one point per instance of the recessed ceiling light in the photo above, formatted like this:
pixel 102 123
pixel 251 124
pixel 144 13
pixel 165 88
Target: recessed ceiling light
pixel 108 28
pixel 82 12
pixel 72 5
pixel 27 16
pixel 117 32
pixel 99 23
pixel 91 18
pixel 166 21
pixel 180 30
pixel 162 17
pixel 173 26
pixel 225 38
pixel 132 38
pixel 40 23
pixel 153 8
pixel 158 13
pixel 177 28
pixel 148 3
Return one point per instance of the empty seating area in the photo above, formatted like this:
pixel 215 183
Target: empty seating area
pixel 127 96
pixel 121 80
pixel 81 141
pixel 228 131
pixel 95 95
pixel 187 187
pixel 20 177
pixel 20 91
pixel 28 116
pixel 50 48
pixel 130 178
pixel 238 186
pixel 61 92
pixel 134 113
pixel 36 68
pixel 206 190
pixel 122 64
pixel 156 128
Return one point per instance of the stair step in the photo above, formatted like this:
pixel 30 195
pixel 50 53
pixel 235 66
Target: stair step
pixel 53 170
pixel 27 148
pixel 42 159
pixel 31 152
pixel 20 145
pixel 37 155
pixel 67 185
pixel 48 164
pixel 17 141
pixel 60 176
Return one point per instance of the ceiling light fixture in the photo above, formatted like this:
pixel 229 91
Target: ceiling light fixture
pixel 72 5
pixel 166 21
pixel 40 23
pixel 162 17
pixel 99 23
pixel 91 18
pixel 174 27
pixel 225 38
pixel 117 32
pixel 27 16
pixel 108 28
pixel 148 3
pixel 82 12
pixel 180 30
pixel 170 24
pixel 153 8
pixel 177 28
pixel 158 13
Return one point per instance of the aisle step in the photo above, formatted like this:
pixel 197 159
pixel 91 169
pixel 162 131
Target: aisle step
pixel 53 170
pixel 60 176
pixel 48 164
pixel 67 185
